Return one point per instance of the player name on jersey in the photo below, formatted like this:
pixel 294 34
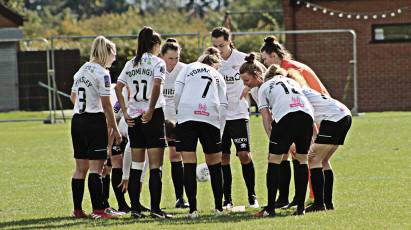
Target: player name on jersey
pixel 140 71
pixel 197 71
pixel 83 80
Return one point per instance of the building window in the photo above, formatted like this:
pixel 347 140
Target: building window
pixel 391 33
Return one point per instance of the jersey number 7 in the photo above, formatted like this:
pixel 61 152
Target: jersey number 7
pixel 209 79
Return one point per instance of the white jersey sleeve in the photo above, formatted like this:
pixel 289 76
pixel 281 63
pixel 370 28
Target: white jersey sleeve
pixel 198 94
pixel 140 80
pixel 90 83
pixel 325 107
pixel 230 69
pixel 282 96
pixel 169 91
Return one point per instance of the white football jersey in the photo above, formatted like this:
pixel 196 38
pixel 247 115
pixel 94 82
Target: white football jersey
pixel 283 95
pixel 90 83
pixel 254 94
pixel 200 94
pixel 139 80
pixel 168 92
pixel 230 69
pixel 325 107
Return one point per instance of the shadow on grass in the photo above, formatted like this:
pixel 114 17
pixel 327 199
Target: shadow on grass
pixel 64 222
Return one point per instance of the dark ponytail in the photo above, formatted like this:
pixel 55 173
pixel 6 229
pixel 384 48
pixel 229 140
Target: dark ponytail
pixel 271 45
pixel 147 38
pixel 252 66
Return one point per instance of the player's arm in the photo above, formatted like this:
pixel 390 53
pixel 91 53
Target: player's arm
pixel 159 77
pixel 155 94
pixel 267 120
pixel 109 113
pixel 73 97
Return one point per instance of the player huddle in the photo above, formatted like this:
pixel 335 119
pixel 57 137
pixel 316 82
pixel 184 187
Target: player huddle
pixel 159 100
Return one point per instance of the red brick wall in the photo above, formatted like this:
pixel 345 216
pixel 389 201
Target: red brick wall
pixel 384 70
pixel 4 22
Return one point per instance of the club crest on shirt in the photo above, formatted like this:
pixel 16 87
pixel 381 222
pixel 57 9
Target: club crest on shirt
pixel 296 102
pixel 107 81
pixel 202 110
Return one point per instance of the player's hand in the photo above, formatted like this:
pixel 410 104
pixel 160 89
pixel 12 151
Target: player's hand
pixel 147 116
pixel 293 151
pixel 245 92
pixel 123 185
pixel 128 119
pixel 117 136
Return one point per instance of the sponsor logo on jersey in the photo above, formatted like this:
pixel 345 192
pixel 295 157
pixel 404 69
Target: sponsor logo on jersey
pixel 202 110
pixel 240 140
pixel 168 92
pixel 232 79
pixel 116 107
pixel 107 81
pixel 296 102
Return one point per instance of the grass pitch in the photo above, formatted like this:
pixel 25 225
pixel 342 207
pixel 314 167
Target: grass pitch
pixel 372 181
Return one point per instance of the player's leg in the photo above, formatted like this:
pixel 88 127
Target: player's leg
pixel 211 142
pixel 186 143
pixel 303 131
pixel 82 165
pixel 177 169
pixel 284 186
pixel 155 139
pixel 328 180
pixel 117 173
pixel 225 166
pixel 280 141
pixel 316 155
pixel 105 179
pixel 241 138
pixel 77 187
pixel 338 131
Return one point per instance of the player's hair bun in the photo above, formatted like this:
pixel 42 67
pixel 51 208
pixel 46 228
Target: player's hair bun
pixel 250 58
pixel 270 39
pixel 171 40
pixel 211 51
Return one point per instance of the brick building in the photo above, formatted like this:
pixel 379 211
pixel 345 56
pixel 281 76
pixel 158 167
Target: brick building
pixel 383 31
pixel 10 35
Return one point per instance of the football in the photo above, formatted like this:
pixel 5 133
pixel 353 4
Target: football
pixel 202 173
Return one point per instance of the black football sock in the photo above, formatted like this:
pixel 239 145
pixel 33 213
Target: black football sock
pixel 217 185
pixel 284 187
pixel 296 168
pixel 134 189
pixel 155 186
pixel 317 182
pixel 106 190
pixel 249 177
pixel 328 186
pixel 302 187
pixel 77 189
pixel 190 185
pixel 95 187
pixel 227 181
pixel 272 180
pixel 177 174
pixel 116 177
